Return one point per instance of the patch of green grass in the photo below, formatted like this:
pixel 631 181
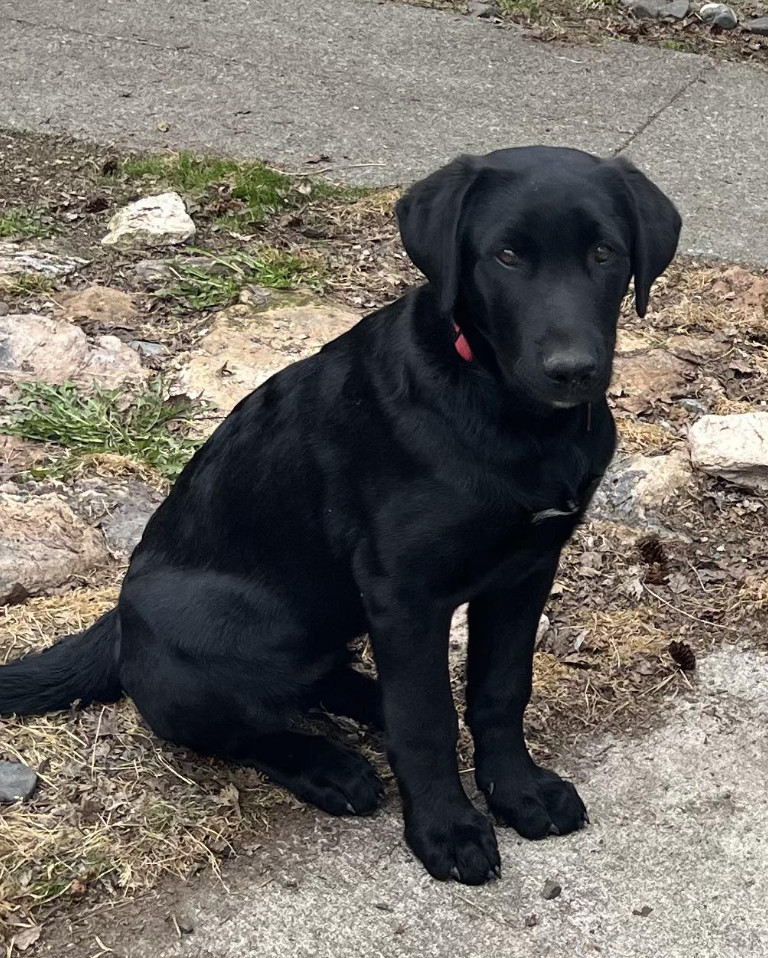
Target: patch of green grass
pixel 262 190
pixel 102 421
pixel 219 282
pixel 25 222
pixel 27 284
pixel 679 46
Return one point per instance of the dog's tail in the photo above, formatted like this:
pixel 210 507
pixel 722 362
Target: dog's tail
pixel 80 667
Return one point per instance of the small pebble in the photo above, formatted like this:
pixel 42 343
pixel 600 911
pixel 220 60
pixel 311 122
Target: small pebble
pixel 4 309
pixel 531 921
pixel 760 26
pixel 478 9
pixel 551 890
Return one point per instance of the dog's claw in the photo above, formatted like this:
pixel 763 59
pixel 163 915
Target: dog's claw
pixel 491 786
pixel 351 809
pixel 585 820
pixel 455 873
pixel 554 830
pixel 497 871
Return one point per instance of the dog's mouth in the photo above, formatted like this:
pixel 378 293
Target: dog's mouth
pixel 548 397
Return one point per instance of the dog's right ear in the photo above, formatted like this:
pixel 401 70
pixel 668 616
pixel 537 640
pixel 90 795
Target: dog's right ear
pixel 428 216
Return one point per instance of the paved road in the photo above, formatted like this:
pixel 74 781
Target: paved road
pixel 399 89
pixel 679 826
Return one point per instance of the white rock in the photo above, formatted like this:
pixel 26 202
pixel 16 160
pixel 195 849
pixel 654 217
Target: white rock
pixel 151 221
pixel 720 15
pixel 732 447
pixel 36 347
pixel 15 259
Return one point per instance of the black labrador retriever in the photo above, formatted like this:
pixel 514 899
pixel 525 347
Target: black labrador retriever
pixel 440 452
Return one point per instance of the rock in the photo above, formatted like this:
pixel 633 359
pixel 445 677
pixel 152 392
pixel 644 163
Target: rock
pixel 111 364
pixel 478 9
pixel 646 9
pixel 17 782
pixel 543 627
pixel 694 406
pixel 720 15
pixel 43 544
pixel 145 348
pixel 152 274
pixel 698 349
pixel 15 259
pixel 4 309
pixel 244 348
pixel 151 221
pixel 120 508
pixel 677 10
pixel 640 380
pixel 186 925
pixel 760 25
pixel 732 447
pixel 636 485
pixel 36 347
pixel 99 304
pixel 551 890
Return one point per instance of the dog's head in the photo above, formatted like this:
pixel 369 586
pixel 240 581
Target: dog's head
pixel 531 251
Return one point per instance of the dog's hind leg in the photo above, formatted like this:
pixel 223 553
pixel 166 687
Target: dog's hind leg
pixel 349 692
pixel 219 668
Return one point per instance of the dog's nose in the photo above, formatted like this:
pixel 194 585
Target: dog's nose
pixel 570 367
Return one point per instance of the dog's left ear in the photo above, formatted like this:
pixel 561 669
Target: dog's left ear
pixel 428 216
pixel 655 230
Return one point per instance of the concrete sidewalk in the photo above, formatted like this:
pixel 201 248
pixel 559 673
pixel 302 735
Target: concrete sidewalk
pixel 674 864
pixel 389 92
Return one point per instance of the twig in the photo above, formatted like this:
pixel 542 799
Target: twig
pixel 325 169
pixel 660 686
pixel 695 618
pixel 96 741
pixel 332 169
pixel 490 914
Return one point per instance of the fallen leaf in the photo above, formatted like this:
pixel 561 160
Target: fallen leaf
pixel 25 939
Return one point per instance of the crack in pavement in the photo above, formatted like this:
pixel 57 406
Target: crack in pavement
pixel 708 69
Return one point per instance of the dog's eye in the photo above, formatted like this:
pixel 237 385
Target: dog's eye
pixel 602 253
pixel 508 257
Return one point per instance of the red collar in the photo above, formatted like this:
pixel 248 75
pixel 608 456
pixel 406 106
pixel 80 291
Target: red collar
pixel 461 345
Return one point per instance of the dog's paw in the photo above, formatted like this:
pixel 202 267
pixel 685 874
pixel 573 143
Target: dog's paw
pixel 344 783
pixel 537 804
pixel 455 842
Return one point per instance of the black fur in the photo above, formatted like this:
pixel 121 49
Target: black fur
pixel 376 486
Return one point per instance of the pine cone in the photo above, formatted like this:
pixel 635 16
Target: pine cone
pixel 651 550
pixel 683 655
pixel 653 554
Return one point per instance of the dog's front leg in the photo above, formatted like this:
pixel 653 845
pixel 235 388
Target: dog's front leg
pixel 502 634
pixel 410 645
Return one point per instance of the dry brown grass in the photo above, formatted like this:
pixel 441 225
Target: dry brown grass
pixel 114 808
